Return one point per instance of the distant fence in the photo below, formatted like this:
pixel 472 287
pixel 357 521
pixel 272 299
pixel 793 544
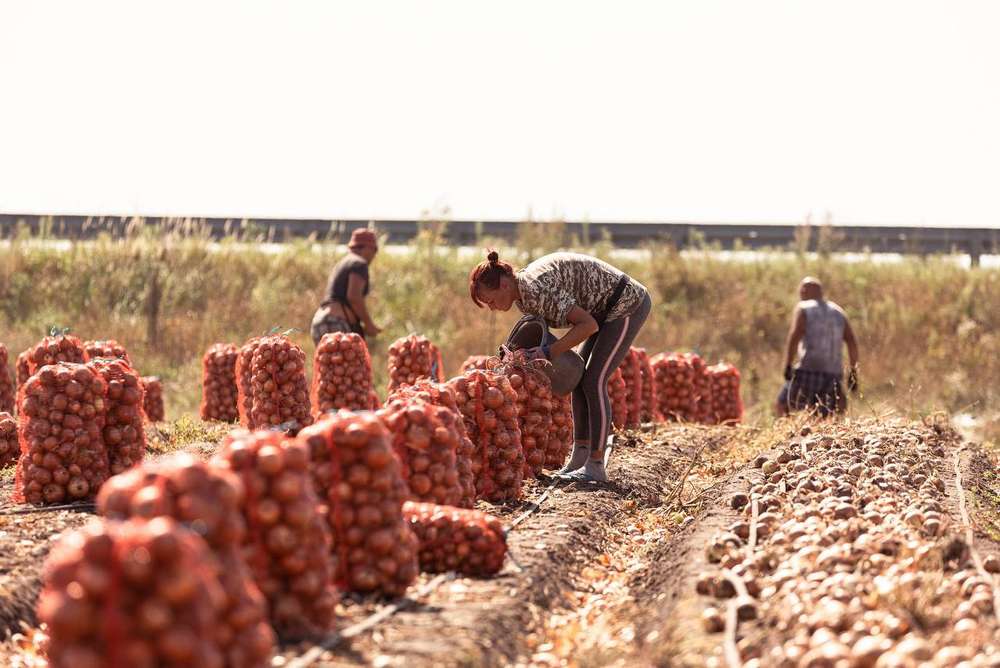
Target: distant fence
pixel 840 238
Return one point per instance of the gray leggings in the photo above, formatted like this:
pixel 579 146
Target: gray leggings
pixel 603 352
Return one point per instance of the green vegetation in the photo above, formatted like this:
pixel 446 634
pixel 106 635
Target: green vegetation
pixel 929 329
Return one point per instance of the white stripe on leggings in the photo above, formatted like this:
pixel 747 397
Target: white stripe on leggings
pixel 602 384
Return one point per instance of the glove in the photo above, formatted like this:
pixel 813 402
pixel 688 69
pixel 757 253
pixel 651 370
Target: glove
pixel 788 372
pixel 852 381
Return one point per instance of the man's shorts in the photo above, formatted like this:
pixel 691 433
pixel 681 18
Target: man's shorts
pixel 812 390
pixel 324 322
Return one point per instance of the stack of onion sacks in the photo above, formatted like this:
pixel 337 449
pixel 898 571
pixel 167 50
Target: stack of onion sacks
pixel 208 500
pixel 618 393
pixel 8 440
pixel 650 407
pixel 674 380
pixel 218 383
pixel 561 435
pixel 440 394
pixel 244 390
pixel 152 400
pixel 342 374
pixel 108 348
pixel 469 542
pixel 136 593
pixel 489 409
pixel 727 406
pixel 124 433
pixel 288 542
pixel 357 473
pixel 632 374
pixel 7 388
pixel 412 358
pixel 55 349
pixel 278 385
pixel 425 440
pixel 701 405
pixel 534 406
pixel 475 362
pixel 62 414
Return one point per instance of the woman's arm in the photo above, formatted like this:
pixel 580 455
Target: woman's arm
pixel 583 327
pixel 356 298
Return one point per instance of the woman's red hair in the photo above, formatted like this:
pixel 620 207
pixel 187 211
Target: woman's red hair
pixel 488 274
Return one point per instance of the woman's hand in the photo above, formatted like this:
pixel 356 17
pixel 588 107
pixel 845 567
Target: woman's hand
pixel 583 327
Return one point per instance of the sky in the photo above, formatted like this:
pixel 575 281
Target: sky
pixel 881 112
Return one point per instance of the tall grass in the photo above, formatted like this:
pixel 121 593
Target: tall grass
pixel 929 329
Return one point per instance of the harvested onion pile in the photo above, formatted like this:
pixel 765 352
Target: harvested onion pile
pixel 701 404
pixel 469 542
pixel 632 374
pixel 7 388
pixel 618 393
pixel 22 369
pixel 288 541
pixel 207 500
pixel 534 407
pixel 152 400
pixel 475 362
pixel 489 409
pixel 650 407
pixel 727 406
pixel 561 435
pixel 425 439
pixel 62 414
pixel 278 385
pixel 244 391
pixel 674 380
pixel 8 440
pixel 108 348
pixel 356 471
pixel 124 433
pixel 342 374
pixel 218 383
pixel 413 358
pixel 136 593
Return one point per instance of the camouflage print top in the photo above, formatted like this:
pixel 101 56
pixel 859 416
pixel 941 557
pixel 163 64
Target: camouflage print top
pixel 552 285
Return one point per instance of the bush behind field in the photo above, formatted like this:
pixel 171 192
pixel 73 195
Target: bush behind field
pixel 929 330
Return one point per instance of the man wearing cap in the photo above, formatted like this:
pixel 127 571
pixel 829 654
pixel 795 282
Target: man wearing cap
pixel 344 308
pixel 817 336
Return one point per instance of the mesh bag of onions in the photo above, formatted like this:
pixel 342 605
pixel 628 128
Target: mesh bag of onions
pixel 489 409
pixel 136 593
pixel 469 542
pixel 108 348
pixel 727 405
pixel 475 362
pixel 244 392
pixel 207 500
pixel 22 369
pixel 124 435
pixel 534 406
pixel 54 349
pixel 218 383
pixel 152 399
pixel 561 435
pixel 278 385
pixel 358 474
pixel 440 394
pixel 701 405
pixel 674 380
pixel 7 388
pixel 618 393
pixel 8 440
pixel 413 358
pixel 650 408
pixel 425 439
pixel 62 413
pixel 632 374
pixel 288 542
pixel 342 374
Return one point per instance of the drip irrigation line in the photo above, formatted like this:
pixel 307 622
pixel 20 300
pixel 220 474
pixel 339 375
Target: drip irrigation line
pixel 46 509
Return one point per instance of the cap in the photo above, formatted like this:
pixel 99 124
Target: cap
pixel 363 237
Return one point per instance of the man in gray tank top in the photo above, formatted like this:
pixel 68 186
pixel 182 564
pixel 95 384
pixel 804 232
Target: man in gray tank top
pixel 815 345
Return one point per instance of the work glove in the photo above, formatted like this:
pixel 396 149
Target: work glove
pixel 788 372
pixel 852 381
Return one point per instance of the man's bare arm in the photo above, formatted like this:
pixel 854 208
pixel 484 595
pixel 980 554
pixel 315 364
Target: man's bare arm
pixel 795 335
pixel 356 298
pixel 852 344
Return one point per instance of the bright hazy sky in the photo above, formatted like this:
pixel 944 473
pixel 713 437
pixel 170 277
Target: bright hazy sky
pixel 876 111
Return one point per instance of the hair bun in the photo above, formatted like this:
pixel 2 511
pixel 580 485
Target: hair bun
pixel 493 257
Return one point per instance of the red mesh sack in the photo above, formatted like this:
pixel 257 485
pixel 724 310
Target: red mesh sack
pixel 701 405
pixel 288 542
pixel 342 374
pixel 62 413
pixel 7 388
pixel 278 385
pixel 440 394
pixel 413 358
pixel 618 393
pixel 469 542
pixel 650 407
pixel 726 402
pixel 152 399
pixel 207 500
pixel 425 439
pixel 489 409
pixel 9 450
pixel 218 383
pixel 561 436
pixel 22 369
pixel 632 374
pixel 108 348
pixel 357 473
pixel 534 406
pixel 124 433
pixel 55 349
pixel 475 362
pixel 674 379
pixel 244 390
pixel 136 593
